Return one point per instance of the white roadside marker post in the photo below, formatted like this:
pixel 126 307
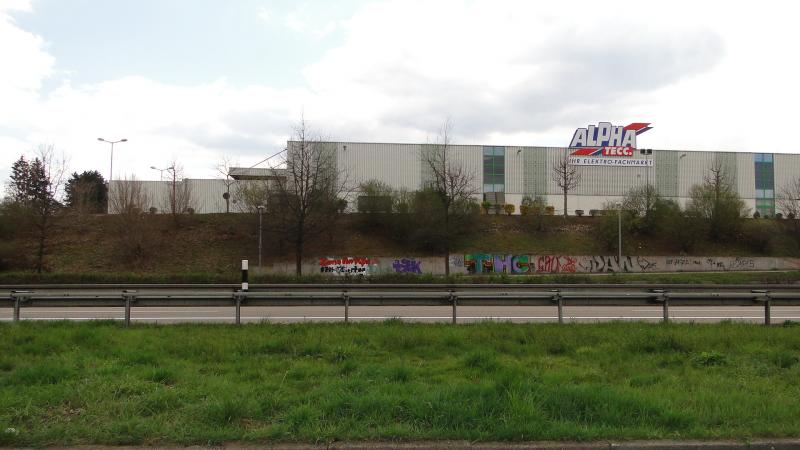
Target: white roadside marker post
pixel 240 294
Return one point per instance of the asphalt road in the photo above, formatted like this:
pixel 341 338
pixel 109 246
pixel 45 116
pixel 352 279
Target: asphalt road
pixel 411 313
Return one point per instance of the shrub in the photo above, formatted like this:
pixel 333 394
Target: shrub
pixel 579 212
pixel 524 210
pixel 756 215
pixel 486 206
pixel 760 235
pixel 550 210
pixel 509 209
pixel 681 228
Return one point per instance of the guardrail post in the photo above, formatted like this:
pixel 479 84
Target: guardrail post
pixel 454 301
pixel 18 297
pixel 129 297
pixel 764 297
pixel 560 304
pixel 346 306
pixel 767 312
pixel 661 297
pixel 237 299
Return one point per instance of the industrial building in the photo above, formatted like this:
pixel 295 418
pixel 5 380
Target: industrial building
pixel 609 166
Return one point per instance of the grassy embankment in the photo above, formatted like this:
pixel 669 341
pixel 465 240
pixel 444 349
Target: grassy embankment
pixel 71 383
pixel 209 247
pixel 20 277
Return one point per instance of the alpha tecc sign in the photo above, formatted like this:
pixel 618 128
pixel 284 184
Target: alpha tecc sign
pixel 608 145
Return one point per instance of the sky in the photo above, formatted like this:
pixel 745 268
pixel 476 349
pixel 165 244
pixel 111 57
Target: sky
pixel 193 81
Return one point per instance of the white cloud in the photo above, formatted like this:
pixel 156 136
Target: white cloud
pixel 506 72
pixel 264 14
pixel 306 21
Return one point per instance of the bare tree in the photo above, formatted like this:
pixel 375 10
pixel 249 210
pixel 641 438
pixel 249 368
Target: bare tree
pixel 224 168
pixel 306 190
pixel 452 183
pixel 180 197
pixel 789 199
pixel 718 203
pixel 566 176
pixel 789 203
pixel 132 229
pixel 248 195
pixel 126 196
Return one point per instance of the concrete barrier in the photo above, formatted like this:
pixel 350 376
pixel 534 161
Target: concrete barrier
pixel 527 264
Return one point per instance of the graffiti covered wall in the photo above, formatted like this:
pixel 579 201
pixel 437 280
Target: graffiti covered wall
pixel 487 263
pixel 522 264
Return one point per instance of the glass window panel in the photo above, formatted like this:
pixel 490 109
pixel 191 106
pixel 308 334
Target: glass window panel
pixel 758 157
pixel 759 193
pixel 769 193
pixel 768 157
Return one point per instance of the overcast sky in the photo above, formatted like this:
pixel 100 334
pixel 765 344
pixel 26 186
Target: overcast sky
pixel 193 80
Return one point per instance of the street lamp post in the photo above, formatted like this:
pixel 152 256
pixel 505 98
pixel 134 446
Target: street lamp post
pixel 619 233
pixel 160 172
pixel 173 200
pixel 111 169
pixel 260 213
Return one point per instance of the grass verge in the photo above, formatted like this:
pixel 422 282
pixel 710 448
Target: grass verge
pixel 97 383
pixel 776 277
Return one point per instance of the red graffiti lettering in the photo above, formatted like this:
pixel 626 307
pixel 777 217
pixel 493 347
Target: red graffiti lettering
pixel 555 264
pixel 346 260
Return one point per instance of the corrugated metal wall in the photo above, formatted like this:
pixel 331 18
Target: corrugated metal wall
pixel 536 170
pixel 395 164
pixel 527 172
pixel 787 170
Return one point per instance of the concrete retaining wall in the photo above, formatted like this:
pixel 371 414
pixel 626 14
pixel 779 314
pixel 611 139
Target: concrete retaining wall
pixel 520 264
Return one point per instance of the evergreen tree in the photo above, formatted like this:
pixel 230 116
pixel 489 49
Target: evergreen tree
pixel 86 192
pixel 32 188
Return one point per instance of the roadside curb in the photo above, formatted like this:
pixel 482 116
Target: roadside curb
pixel 756 444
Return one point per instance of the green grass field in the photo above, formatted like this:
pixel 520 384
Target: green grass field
pixel 96 382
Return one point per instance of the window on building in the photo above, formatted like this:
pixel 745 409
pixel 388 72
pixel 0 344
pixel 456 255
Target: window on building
pixel 765 183
pixel 494 169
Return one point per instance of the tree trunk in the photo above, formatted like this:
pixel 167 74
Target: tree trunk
pixel 298 257
pixel 565 203
pixel 40 250
pixel 447 242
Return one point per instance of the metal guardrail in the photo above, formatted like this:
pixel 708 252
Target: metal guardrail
pixel 335 295
pixel 400 286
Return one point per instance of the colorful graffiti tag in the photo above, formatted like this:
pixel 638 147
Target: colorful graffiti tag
pixel 405 265
pixel 344 266
pixel 477 263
